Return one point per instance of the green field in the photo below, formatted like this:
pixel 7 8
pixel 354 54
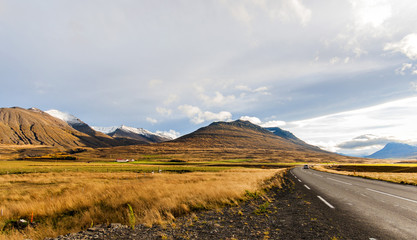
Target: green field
pixel 21 167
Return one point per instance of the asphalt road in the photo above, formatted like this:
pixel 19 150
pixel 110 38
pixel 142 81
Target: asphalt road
pixel 387 210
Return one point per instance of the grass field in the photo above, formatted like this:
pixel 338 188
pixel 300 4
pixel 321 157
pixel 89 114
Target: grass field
pixel 69 196
pixel 398 173
pixel 20 167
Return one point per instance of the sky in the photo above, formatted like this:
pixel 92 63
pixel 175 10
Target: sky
pixel 338 74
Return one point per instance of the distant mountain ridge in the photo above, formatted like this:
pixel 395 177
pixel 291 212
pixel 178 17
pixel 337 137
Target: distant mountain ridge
pixel 133 133
pixel 125 135
pixel 395 150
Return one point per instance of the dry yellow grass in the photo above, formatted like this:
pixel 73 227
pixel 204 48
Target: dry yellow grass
pixel 68 202
pixel 407 178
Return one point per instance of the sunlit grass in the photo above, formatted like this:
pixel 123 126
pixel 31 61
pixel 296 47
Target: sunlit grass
pixel 390 172
pixel 68 201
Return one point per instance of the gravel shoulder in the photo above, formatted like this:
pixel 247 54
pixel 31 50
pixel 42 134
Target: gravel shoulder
pixel 283 213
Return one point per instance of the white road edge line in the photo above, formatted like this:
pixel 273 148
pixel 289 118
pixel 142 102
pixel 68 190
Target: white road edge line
pixel 306 187
pixel 339 181
pixel 391 195
pixel 327 203
pixel 299 180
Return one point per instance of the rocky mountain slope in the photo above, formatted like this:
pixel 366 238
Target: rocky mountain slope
pixel 32 126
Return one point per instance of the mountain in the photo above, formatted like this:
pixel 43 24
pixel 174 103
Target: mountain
pixel 139 134
pixel 75 123
pixel 20 126
pixel 244 134
pixel 395 150
pixel 81 126
pixel 226 141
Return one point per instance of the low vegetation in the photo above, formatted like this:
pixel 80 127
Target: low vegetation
pixel 404 173
pixel 68 201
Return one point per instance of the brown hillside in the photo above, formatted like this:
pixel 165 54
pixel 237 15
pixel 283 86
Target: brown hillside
pixel 240 134
pixel 20 126
pixel 224 141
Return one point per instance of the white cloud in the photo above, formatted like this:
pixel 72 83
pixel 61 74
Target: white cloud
pixel 396 118
pixel 263 89
pixel 283 10
pixel 243 88
pixel 373 13
pixel 407 46
pixel 253 120
pixel 155 83
pixel 301 11
pixel 366 141
pixel 414 85
pixel 151 120
pixel 241 13
pixel 347 59
pixel 171 133
pixel 218 100
pixel 197 116
pixel 171 99
pixel 402 70
pixel 275 123
pixel 257 121
pixel 334 60
pixel 164 111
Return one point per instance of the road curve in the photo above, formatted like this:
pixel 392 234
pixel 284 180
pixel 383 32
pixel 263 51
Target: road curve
pixel 389 208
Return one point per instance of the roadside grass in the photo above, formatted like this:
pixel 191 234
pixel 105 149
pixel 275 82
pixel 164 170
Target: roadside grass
pixel 69 201
pixel 398 173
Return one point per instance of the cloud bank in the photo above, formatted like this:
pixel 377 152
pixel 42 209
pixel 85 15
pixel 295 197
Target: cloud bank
pixel 180 66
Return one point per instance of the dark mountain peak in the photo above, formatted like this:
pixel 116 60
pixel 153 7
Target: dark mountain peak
pixel 395 150
pixel 239 124
pixel 243 134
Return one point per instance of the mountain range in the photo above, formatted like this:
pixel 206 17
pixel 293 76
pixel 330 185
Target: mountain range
pixel 32 126
pixel 224 141
pixel 219 140
pixel 133 133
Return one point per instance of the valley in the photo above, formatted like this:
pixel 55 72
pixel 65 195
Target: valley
pixel 59 175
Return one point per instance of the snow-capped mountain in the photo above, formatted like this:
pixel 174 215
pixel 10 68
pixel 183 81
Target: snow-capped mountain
pixel 133 133
pixel 66 117
pixel 83 127
pixel 122 132
pixel 105 130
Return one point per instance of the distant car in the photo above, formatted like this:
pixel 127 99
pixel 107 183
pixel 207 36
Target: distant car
pixel 305 167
